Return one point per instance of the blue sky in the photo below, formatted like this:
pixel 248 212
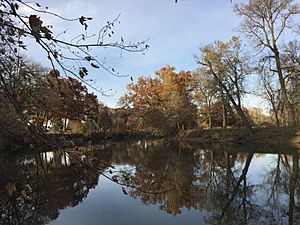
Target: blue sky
pixel 175 32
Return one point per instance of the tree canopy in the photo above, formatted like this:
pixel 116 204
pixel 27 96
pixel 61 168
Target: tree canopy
pixel 163 102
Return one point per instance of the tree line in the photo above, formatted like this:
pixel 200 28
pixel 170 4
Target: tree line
pixel 213 93
pixel 211 96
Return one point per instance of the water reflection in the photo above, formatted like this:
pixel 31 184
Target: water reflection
pixel 35 187
pixel 226 184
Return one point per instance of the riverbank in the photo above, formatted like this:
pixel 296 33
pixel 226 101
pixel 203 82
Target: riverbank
pixel 68 140
pixel 286 135
pixel 260 136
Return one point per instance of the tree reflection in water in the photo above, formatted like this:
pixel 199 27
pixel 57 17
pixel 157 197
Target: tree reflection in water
pixel 51 181
pixel 219 181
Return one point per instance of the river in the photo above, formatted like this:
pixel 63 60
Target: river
pixel 151 183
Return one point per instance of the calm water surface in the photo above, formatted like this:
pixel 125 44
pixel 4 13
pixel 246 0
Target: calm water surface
pixel 151 183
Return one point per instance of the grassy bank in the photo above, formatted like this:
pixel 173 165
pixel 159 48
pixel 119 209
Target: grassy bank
pixel 280 135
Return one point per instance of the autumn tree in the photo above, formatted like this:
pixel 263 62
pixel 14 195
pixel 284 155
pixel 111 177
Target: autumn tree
pixel 41 96
pixel 104 118
pixel 18 81
pixel 10 126
pixel 164 103
pixel 237 63
pixel 145 100
pixel 72 58
pixel 176 94
pixel 205 93
pixel 227 65
pixel 258 117
pixel 73 101
pixel 266 22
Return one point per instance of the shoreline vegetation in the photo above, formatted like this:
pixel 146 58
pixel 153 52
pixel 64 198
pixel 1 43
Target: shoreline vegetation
pixel 261 136
pixel 268 135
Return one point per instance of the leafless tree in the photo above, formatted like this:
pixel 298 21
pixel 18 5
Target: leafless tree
pixel 265 22
pixel 269 90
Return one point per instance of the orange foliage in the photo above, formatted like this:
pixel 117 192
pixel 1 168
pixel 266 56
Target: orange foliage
pixel 164 102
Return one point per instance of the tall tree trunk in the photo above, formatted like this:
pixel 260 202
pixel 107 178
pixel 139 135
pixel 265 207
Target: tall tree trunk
pixel 276 114
pixel 241 114
pixel 287 105
pixel 231 99
pixel 209 119
pixel 224 111
pixel 238 91
pixel 65 125
pixel 208 109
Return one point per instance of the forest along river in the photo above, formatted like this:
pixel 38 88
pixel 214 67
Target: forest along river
pixel 151 182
